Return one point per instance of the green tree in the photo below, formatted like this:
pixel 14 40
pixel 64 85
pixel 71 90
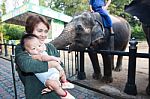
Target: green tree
pixel 2 30
pixel 42 2
pixel 12 32
pixel 2 7
pixel 137 32
pixel 69 7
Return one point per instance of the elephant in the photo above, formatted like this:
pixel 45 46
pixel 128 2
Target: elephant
pixel 146 30
pixel 86 30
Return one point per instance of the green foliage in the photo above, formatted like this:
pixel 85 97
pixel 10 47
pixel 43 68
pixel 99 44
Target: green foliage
pixel 69 7
pixel 11 32
pixel 2 30
pixel 42 2
pixel 3 7
pixel 137 32
pixel 117 8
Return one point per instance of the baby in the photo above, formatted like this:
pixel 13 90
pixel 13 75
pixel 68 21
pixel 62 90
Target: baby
pixel 54 78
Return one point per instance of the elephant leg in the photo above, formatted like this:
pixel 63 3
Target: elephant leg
pixel 119 64
pixel 94 59
pixel 107 68
pixel 112 62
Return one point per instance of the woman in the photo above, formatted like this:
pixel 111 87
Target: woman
pixel 27 66
pixel 55 77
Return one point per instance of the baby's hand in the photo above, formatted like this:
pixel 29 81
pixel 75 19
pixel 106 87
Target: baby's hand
pixel 56 59
pixel 62 73
pixel 45 57
pixel 37 57
pixel 60 69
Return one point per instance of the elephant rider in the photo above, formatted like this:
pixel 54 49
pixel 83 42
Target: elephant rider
pixel 101 6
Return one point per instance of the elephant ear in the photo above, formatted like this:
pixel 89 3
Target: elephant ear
pixel 97 32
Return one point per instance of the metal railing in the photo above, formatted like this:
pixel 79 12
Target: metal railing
pixel 74 63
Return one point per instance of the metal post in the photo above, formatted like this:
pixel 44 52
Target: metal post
pixel 148 87
pixel 81 73
pixel 130 87
pixel 13 49
pixel 6 51
pixel 0 49
pixel 146 28
pixel 13 74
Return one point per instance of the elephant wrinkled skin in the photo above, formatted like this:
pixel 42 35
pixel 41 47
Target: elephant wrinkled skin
pixel 86 31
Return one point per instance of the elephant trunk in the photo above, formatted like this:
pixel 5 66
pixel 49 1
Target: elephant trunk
pixel 65 38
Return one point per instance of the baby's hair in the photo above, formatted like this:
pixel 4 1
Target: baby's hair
pixel 26 37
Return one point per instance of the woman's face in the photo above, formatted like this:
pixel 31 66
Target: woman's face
pixel 41 31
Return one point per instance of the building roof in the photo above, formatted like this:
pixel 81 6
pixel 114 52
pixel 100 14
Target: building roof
pixel 20 14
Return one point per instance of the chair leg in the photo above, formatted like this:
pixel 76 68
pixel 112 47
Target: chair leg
pixel 13 75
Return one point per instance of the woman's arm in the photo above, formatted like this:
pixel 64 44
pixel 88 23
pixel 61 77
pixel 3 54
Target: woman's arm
pixel 91 8
pixel 27 64
pixel 107 4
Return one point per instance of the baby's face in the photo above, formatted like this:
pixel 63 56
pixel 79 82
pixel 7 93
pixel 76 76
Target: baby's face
pixel 33 46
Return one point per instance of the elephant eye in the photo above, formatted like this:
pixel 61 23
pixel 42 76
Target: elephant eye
pixel 86 22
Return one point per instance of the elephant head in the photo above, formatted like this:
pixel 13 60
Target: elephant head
pixel 86 30
pixel 81 32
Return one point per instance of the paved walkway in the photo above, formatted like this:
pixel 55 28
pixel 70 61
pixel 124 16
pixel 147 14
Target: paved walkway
pixel 114 89
pixel 7 88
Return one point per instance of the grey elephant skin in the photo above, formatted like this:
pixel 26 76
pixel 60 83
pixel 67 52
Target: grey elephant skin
pixel 86 31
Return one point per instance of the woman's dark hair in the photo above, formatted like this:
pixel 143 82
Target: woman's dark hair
pixel 26 37
pixel 32 21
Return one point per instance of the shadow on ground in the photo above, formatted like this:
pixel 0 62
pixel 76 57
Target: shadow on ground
pixel 116 88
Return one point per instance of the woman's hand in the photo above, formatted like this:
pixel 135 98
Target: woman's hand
pixel 50 58
pixel 56 59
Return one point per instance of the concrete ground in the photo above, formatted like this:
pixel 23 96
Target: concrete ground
pixel 7 88
pixel 116 88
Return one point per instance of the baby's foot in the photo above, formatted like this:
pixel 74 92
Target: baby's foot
pixel 67 85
